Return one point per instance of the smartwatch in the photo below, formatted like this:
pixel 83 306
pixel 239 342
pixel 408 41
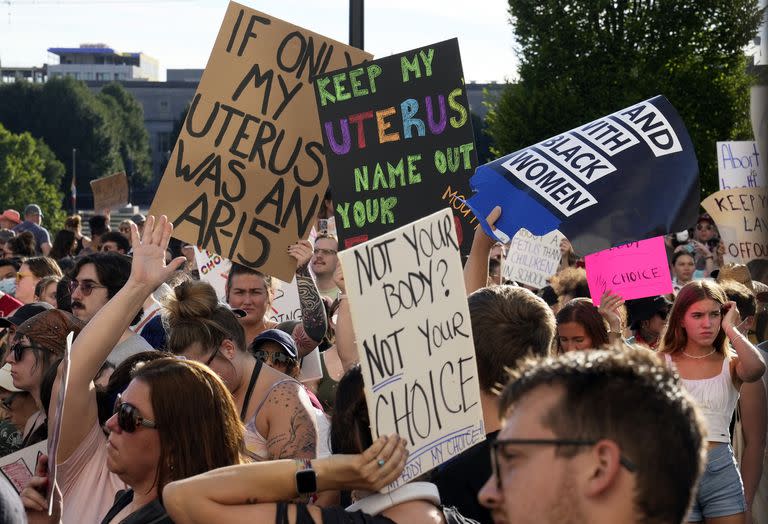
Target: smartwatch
pixel 306 479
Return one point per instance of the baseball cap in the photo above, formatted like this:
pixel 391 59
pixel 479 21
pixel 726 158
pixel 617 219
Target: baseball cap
pixel 6 380
pixel 49 329
pixel 138 219
pixel 12 215
pixel 33 209
pixel 275 335
pixel 24 313
pixel 641 309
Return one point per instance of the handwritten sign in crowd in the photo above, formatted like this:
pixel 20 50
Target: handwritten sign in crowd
pixel 110 192
pixel 531 259
pixel 634 270
pixel 739 165
pixel 741 216
pixel 398 140
pixel 247 175
pixel 414 337
pixel 629 175
pixel 19 467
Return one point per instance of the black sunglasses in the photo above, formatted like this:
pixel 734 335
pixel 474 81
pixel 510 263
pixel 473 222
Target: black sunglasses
pixel 18 350
pixel 277 358
pixel 128 417
pixel 86 286
pixel 498 445
pixel 7 402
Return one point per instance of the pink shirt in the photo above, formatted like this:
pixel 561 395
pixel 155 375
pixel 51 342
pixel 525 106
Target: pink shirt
pixel 87 486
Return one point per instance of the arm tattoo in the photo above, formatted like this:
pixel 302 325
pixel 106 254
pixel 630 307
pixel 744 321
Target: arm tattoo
pixel 313 318
pixel 299 439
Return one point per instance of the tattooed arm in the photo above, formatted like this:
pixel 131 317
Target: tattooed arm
pixel 314 324
pixel 292 428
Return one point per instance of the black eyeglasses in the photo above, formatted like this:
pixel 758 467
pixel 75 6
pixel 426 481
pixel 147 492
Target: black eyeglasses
pixel 86 286
pixel 7 402
pixel 18 350
pixel 213 355
pixel 128 417
pixel 277 358
pixel 326 252
pixel 500 446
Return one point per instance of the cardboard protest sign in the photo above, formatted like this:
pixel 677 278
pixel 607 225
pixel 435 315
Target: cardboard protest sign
pixel 739 165
pixel 624 177
pixel 634 270
pixel 532 259
pixel 110 192
pixel 19 467
pixel 414 337
pixel 247 175
pixel 741 216
pixel 398 141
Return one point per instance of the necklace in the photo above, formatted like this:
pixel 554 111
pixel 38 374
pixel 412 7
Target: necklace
pixel 700 356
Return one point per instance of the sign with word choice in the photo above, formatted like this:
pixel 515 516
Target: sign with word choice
pixel 398 141
pixel 741 216
pixel 247 175
pixel 110 192
pixel 739 165
pixel 634 270
pixel 532 259
pixel 414 338
pixel 626 176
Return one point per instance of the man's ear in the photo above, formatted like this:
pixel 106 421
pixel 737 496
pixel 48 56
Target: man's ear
pixel 605 467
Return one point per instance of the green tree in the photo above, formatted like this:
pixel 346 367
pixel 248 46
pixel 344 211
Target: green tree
pixel 583 59
pixel 128 124
pixel 21 170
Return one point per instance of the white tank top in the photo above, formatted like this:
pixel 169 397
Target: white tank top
pixel 716 398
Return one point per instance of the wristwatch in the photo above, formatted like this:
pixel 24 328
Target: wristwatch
pixel 306 479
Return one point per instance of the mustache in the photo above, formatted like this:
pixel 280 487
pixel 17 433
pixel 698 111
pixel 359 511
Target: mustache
pixel 78 304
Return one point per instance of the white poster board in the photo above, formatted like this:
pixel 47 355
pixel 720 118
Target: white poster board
pixel 19 467
pixel 740 164
pixel 414 337
pixel 213 269
pixel 531 259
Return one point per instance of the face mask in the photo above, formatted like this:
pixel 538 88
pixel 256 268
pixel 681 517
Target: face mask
pixel 8 285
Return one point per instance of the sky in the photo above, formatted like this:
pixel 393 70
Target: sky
pixel 180 33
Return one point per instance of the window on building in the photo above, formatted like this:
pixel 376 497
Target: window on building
pixel 164 142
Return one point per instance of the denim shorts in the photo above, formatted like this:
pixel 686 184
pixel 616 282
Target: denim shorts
pixel 720 491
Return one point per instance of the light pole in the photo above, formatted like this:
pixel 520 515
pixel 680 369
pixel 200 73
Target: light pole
pixel 356 23
pixel 73 186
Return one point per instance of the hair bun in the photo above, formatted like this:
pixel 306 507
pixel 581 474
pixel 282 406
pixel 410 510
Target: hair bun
pixel 191 300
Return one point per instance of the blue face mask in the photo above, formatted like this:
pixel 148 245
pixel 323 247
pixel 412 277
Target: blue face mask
pixel 8 286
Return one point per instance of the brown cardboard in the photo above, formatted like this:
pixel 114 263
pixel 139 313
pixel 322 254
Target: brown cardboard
pixel 110 192
pixel 247 209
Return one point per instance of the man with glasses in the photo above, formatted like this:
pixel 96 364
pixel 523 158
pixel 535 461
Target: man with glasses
pixel 98 277
pixel 595 436
pixel 323 265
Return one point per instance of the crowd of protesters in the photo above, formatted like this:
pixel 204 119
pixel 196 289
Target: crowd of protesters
pixel 182 408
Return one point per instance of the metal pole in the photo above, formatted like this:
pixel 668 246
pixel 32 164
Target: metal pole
pixel 356 23
pixel 73 186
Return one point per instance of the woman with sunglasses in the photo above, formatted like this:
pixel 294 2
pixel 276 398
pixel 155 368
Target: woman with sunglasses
pixel 29 274
pixel 38 344
pixel 713 359
pixel 153 438
pixel 258 492
pixel 275 409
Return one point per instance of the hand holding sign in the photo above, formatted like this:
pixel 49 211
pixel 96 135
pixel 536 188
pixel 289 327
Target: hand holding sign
pixel 609 309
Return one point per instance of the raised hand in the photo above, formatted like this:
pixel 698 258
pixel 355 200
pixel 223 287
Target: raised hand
pixel 732 317
pixel 148 266
pixel 302 252
pixel 609 309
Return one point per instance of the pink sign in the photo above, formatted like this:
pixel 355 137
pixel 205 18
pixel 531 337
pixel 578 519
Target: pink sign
pixel 635 270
